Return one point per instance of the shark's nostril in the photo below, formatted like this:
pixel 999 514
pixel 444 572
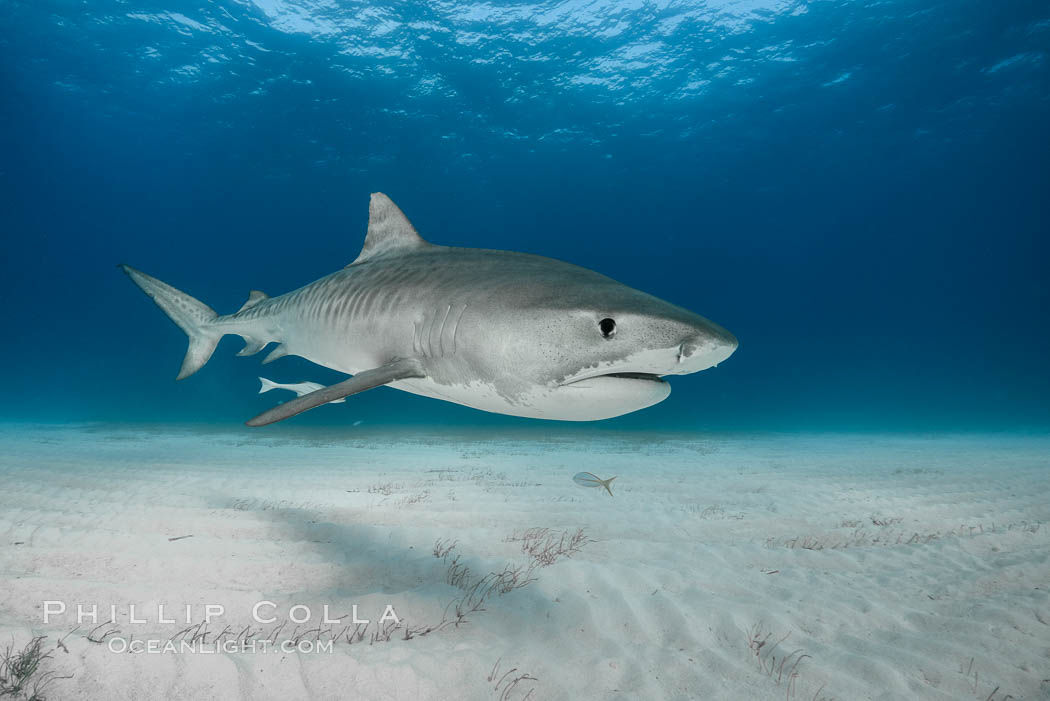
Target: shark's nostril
pixel 688 348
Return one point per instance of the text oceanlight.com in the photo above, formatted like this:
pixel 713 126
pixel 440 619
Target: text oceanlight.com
pixel 160 647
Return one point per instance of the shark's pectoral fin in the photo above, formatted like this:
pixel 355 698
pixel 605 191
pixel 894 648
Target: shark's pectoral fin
pixel 385 374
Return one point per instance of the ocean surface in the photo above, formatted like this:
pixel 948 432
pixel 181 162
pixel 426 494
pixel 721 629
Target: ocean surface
pixel 859 191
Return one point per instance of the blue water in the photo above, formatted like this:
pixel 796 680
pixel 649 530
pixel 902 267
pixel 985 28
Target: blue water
pixel 859 191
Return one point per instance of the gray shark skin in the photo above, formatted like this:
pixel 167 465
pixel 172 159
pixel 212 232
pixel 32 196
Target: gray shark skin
pixel 511 333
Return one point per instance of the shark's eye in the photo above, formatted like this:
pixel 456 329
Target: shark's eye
pixel 607 327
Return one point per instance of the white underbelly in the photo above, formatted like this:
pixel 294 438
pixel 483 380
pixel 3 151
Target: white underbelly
pixel 587 400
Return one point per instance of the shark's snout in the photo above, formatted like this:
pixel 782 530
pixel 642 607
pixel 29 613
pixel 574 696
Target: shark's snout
pixel 706 349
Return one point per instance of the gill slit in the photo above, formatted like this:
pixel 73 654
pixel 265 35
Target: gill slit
pixel 440 333
pixel 436 338
pixel 455 325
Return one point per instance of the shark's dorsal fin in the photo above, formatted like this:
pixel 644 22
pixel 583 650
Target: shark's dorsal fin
pixel 254 297
pixel 389 231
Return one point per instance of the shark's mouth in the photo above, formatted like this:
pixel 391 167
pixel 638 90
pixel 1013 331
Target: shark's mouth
pixel 645 376
pixel 635 376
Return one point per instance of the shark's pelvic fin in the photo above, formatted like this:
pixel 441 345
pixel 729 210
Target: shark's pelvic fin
pixel 278 352
pixel 389 231
pixel 192 316
pixel 254 297
pixel 385 374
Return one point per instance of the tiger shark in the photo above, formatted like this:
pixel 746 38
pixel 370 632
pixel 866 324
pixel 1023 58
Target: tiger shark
pixel 500 331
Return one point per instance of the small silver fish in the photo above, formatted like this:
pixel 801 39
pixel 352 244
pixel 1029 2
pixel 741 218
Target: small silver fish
pixel 587 479
pixel 300 388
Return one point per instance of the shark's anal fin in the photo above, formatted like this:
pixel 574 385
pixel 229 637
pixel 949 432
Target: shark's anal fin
pixel 385 374
pixel 251 346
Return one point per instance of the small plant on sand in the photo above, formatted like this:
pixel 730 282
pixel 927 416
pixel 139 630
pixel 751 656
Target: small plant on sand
pixel 488 478
pixel 818 695
pixel 382 635
pixel 384 488
pixel 477 591
pixel 413 499
pixel 505 684
pixel 918 471
pixel 969 671
pixel 544 547
pixel 458 575
pixel 713 511
pixel 443 548
pixel 884 536
pixel 777 664
pixel 21 676
pixel 98 635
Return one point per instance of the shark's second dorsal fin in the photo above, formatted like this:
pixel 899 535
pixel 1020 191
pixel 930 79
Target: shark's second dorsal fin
pixel 254 297
pixel 389 231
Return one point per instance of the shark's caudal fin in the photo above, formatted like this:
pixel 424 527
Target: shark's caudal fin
pixel 267 385
pixel 606 483
pixel 192 316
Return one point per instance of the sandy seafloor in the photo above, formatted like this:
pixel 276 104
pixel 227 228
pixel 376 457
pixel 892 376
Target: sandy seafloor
pixel 898 567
